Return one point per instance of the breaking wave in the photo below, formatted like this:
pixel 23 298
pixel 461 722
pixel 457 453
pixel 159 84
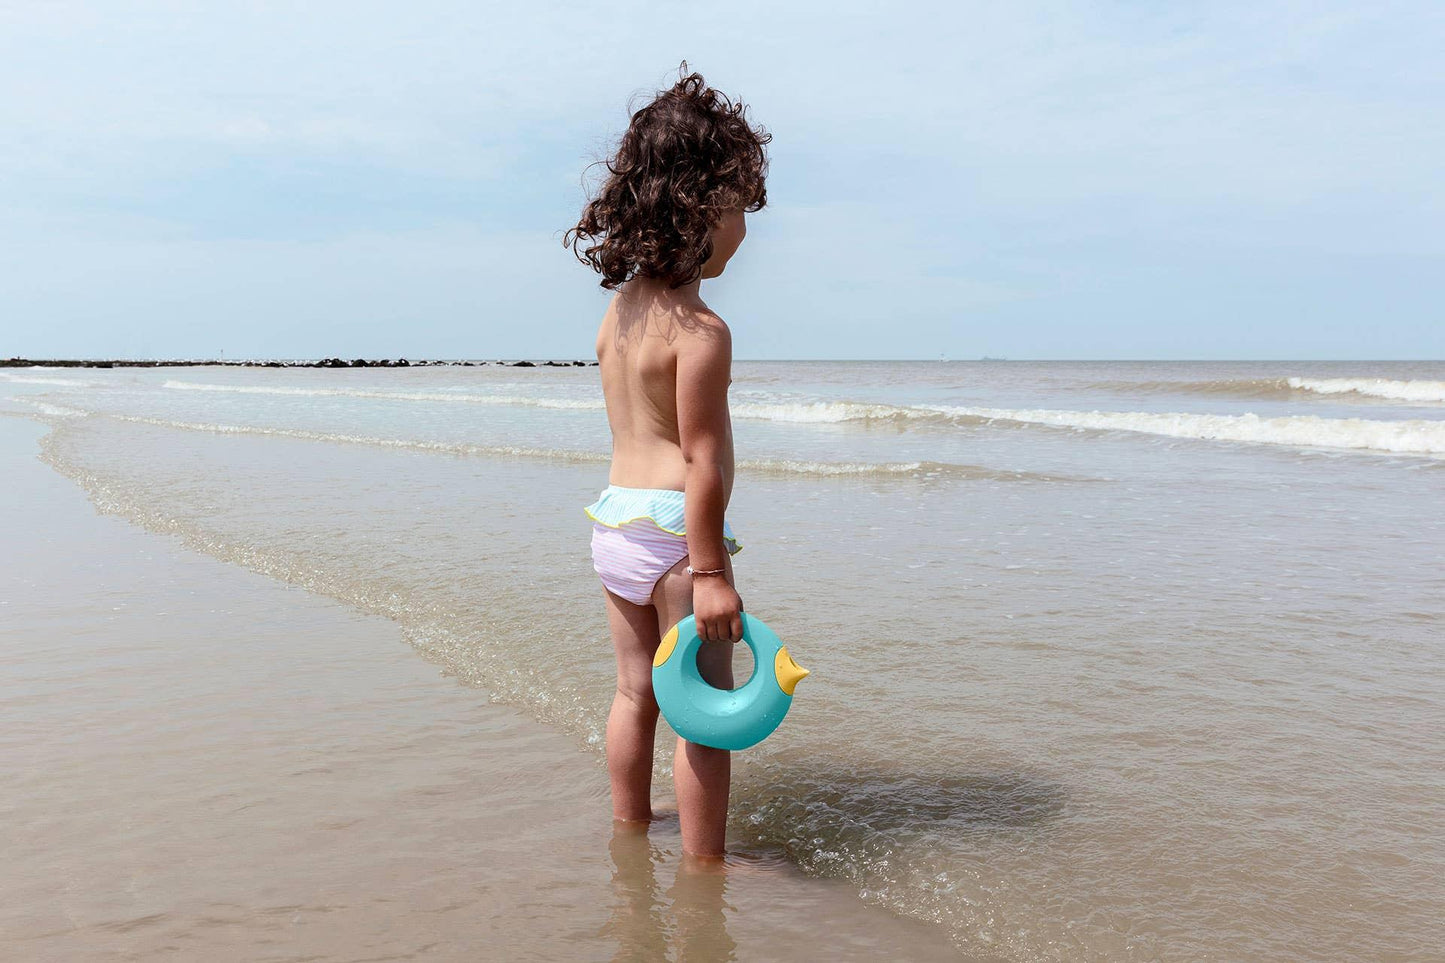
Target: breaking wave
pixel 803 412
pixel 1406 436
pixel 1412 437
pixel 1385 389
pixel 1373 387
pixel 835 412
pixel 908 469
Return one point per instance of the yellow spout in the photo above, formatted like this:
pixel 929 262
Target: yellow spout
pixel 787 671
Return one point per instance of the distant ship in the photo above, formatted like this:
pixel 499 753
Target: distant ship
pixel 987 358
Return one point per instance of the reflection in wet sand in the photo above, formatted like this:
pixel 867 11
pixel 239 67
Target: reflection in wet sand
pixel 691 917
pixel 637 922
pixel 698 901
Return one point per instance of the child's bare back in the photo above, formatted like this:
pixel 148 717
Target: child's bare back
pixel 647 335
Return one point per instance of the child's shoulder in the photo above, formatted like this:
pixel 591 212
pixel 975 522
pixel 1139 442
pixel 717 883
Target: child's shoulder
pixel 704 350
pixel 702 329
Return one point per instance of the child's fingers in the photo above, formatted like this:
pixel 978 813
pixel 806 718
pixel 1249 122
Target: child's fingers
pixel 736 635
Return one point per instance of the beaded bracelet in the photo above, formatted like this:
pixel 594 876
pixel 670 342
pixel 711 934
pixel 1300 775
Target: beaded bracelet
pixel 712 571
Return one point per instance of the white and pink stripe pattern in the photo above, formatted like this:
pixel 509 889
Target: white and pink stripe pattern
pixel 637 535
pixel 632 557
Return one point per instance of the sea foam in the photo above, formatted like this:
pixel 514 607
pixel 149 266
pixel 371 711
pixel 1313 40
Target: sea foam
pixel 913 469
pixel 1373 387
pixel 1386 389
pixel 1413 437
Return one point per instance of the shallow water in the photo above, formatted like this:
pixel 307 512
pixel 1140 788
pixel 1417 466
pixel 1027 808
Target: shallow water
pixel 202 763
pixel 1110 661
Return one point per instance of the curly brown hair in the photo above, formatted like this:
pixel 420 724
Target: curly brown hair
pixel 687 157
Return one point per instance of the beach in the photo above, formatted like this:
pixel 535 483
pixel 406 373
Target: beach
pixel 205 763
pixel 1111 661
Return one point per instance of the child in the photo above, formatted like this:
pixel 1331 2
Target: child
pixel 671 213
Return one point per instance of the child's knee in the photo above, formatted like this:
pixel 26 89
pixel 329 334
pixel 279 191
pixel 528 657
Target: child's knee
pixel 639 693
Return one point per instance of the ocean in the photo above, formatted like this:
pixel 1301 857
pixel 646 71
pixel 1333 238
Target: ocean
pixel 1110 660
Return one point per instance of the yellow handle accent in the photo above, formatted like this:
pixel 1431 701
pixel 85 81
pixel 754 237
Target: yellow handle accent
pixel 787 671
pixel 665 647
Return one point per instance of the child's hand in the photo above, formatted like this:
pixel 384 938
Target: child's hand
pixel 717 610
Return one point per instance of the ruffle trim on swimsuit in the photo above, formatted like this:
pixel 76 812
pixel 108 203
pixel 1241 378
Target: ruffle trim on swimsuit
pixel 664 507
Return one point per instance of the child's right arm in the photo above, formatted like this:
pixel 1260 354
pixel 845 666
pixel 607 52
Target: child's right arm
pixel 704 362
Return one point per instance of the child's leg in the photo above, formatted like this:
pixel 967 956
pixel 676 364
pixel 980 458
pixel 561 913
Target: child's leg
pixel 632 723
pixel 701 774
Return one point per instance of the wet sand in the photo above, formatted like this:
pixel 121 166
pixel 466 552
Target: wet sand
pixel 204 763
pixel 1078 693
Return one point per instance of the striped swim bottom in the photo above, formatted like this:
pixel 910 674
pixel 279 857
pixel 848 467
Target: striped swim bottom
pixel 638 534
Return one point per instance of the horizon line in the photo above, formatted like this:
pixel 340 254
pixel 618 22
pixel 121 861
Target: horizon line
pixel 21 360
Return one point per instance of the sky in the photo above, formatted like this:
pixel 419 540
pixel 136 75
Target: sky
pixel 1025 180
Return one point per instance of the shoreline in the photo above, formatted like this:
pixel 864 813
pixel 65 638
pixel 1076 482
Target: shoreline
pixel 1059 720
pixel 211 762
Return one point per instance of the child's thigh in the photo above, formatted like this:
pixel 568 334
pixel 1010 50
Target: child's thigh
pixel 634 640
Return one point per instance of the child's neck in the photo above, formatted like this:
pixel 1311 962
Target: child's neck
pixel 658 291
